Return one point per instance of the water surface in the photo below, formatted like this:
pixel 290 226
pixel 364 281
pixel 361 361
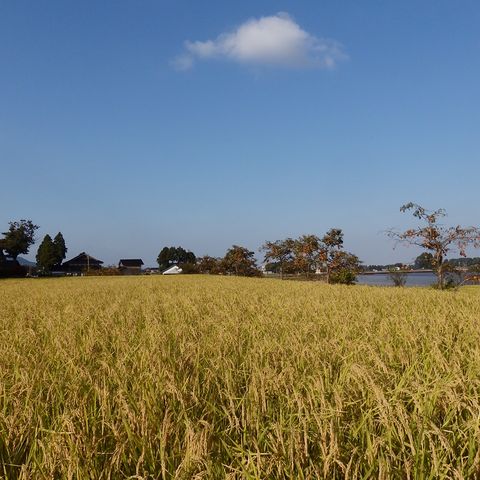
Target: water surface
pixel 417 279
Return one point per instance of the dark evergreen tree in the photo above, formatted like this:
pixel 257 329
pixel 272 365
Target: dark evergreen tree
pixel 60 248
pixel 163 258
pixel 190 258
pixel 46 255
pixel 169 256
pixel 172 256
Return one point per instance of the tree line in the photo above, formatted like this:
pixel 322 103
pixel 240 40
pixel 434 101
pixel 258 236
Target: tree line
pixel 237 261
pixel 307 255
pixel 18 240
pixel 425 261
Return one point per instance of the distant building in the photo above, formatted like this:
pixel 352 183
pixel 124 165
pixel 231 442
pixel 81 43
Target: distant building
pixel 81 263
pixel 10 267
pixel 175 270
pixel 130 266
pixel 152 271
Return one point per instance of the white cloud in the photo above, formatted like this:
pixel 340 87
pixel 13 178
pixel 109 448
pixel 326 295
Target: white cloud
pixel 183 62
pixel 276 40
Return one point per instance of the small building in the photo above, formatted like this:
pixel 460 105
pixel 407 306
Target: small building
pixel 152 271
pixel 83 262
pixel 10 267
pixel 130 266
pixel 175 270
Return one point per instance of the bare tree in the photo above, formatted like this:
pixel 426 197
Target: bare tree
pixel 435 237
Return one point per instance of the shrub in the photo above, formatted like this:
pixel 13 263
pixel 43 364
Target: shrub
pixel 343 276
pixel 111 270
pixel 398 277
pixel 189 268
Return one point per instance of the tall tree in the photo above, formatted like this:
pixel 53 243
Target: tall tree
pixel 19 238
pixel 60 248
pixel 436 238
pixel 163 258
pixel 46 255
pixel 306 250
pixel 240 261
pixel 175 254
pixel 339 266
pixel 330 251
pixel 279 251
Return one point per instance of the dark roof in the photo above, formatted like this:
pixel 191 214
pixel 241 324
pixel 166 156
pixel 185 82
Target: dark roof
pixel 131 262
pixel 82 259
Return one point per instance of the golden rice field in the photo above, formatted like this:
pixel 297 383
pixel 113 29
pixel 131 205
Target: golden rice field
pixel 198 377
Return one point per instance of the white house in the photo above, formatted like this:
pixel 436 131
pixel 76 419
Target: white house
pixel 175 270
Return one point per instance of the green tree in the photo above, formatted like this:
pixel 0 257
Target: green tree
pixel 163 258
pixel 424 261
pixel 60 248
pixel 190 258
pixel 169 256
pixel 46 255
pixel 174 255
pixel 240 261
pixel 436 238
pixel 19 238
pixel 344 268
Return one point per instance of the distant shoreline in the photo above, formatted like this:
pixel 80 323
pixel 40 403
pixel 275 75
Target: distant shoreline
pixel 386 272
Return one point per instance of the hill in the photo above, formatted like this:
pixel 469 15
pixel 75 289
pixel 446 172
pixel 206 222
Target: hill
pixel 25 262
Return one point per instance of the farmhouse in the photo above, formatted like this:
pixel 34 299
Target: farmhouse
pixel 83 262
pixel 130 266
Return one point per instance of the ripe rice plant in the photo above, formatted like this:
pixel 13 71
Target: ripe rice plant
pixel 221 377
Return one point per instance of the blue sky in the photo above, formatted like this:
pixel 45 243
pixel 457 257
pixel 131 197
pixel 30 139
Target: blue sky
pixel 131 125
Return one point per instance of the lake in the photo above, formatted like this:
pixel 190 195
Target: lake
pixel 417 279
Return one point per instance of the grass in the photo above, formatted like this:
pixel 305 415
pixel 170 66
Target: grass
pixel 210 377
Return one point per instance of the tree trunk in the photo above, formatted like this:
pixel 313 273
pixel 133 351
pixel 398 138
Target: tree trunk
pixel 440 279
